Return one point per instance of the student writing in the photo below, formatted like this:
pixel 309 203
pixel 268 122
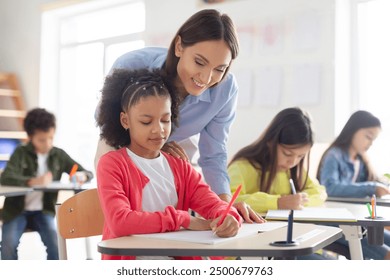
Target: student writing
pixel 345 170
pixel 265 167
pixel 141 188
pixel 196 66
pixel 37 162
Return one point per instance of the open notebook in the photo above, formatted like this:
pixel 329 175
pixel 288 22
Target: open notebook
pixel 207 237
pixel 314 214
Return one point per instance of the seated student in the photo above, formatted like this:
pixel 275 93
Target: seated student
pixel 265 167
pixel 36 163
pixel 345 171
pixel 141 188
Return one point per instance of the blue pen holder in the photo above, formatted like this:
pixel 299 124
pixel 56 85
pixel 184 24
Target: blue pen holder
pixel 288 241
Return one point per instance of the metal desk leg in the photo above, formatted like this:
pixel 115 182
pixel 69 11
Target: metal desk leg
pixel 353 234
pixel 88 248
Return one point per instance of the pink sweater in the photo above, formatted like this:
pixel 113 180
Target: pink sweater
pixel 120 185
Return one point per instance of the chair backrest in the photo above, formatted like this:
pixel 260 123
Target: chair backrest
pixel 78 216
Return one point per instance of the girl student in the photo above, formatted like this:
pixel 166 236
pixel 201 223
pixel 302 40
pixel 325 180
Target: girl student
pixel 344 168
pixel 265 166
pixel 141 188
pixel 345 171
pixel 196 65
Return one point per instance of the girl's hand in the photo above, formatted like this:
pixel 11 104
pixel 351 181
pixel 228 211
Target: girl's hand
pixel 381 190
pixel 199 224
pixel 175 150
pixel 228 228
pixel 293 201
pixel 247 213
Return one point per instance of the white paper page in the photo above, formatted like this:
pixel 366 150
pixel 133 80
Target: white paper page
pixel 207 237
pixel 314 214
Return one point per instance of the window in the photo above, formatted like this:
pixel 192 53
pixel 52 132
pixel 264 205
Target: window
pixel 373 87
pixel 79 45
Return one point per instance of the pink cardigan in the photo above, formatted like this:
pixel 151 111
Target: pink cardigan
pixel 120 185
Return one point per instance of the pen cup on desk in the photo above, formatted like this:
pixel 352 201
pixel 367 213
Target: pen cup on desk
pixel 371 207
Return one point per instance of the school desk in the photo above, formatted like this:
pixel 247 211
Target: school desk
pixel 353 229
pixel 311 238
pixel 59 186
pixel 381 201
pixel 14 191
pixel 353 232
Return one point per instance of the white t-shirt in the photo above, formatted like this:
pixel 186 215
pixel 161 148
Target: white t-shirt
pixel 34 200
pixel 160 191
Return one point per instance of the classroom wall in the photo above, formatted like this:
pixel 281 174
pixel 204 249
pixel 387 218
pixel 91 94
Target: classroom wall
pixel 20 29
pixel 291 42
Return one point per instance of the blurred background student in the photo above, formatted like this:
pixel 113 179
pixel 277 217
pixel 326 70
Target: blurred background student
pixel 345 170
pixel 36 163
pixel 265 167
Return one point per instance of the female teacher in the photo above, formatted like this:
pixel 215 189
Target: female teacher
pixel 196 66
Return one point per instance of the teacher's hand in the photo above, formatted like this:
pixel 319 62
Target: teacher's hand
pixel 248 214
pixel 175 150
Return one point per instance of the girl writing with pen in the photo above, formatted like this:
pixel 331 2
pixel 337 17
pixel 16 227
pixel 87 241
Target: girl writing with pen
pixel 197 67
pixel 141 188
pixel 345 170
pixel 265 167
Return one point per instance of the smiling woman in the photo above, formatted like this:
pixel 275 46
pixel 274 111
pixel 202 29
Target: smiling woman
pixel 196 69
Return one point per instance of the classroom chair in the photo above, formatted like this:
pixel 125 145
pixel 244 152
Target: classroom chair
pixel 78 216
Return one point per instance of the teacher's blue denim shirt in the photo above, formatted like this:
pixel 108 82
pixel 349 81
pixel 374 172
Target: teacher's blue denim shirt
pixel 336 175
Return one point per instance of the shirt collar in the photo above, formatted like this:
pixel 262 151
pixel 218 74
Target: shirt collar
pixel 205 97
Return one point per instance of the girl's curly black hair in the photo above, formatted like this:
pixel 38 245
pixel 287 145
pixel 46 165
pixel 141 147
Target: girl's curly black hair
pixel 122 89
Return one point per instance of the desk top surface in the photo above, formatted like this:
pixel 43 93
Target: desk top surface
pixel 311 238
pixel 361 213
pixel 58 186
pixel 14 191
pixel 383 201
pixel 54 187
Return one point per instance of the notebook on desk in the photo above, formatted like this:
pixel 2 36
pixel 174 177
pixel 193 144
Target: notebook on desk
pixel 207 237
pixel 314 214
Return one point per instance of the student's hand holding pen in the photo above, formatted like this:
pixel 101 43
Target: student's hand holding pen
pixel 81 177
pixel 293 201
pixel 228 228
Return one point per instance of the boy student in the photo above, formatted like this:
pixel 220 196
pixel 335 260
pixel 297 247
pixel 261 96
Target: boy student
pixel 32 164
pixel 141 188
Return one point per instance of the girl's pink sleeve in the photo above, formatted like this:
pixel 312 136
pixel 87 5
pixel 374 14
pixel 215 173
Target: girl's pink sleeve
pixel 203 200
pixel 120 215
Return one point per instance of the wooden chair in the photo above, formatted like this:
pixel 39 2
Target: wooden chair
pixel 78 216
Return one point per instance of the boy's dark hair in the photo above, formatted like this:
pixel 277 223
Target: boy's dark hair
pixel 38 119
pixel 123 89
